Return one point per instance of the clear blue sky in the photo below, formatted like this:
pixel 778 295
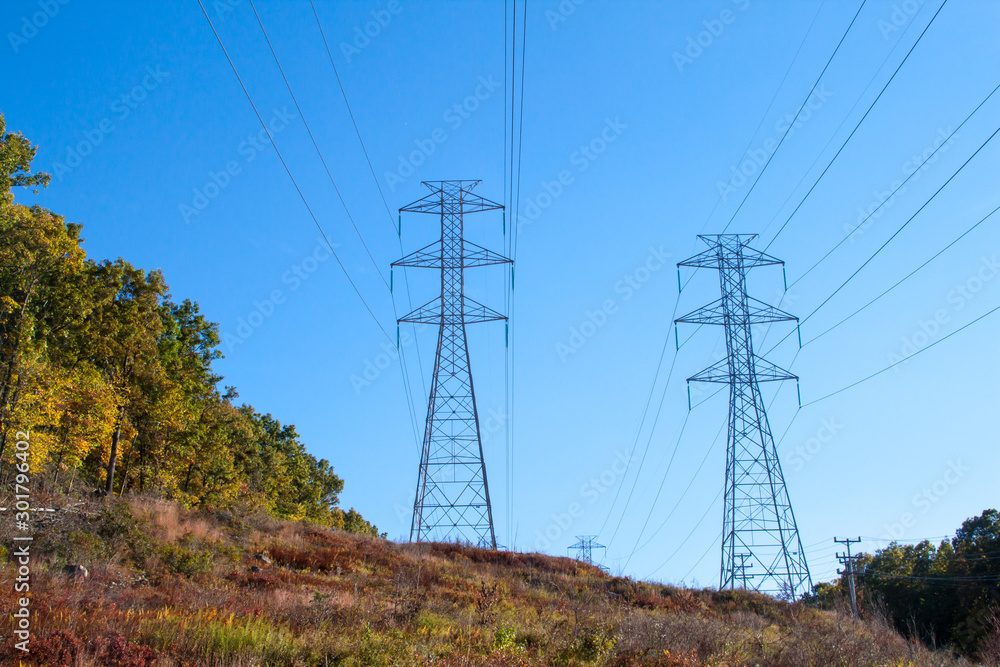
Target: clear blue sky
pixel 145 91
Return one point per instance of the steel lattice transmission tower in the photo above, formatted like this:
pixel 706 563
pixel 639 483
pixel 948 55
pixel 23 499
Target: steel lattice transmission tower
pixel 585 545
pixel 759 526
pixel 453 497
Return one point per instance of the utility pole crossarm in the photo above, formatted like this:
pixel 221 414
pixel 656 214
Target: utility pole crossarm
pixel 852 568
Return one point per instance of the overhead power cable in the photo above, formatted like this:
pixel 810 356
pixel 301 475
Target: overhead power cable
pixel 763 117
pixel 350 112
pixel 906 277
pixel 684 541
pixel 677 504
pixel 893 365
pixel 890 239
pixel 316 145
pixel 792 124
pixel 870 107
pixel 292 177
pixel 889 197
pixel 670 464
pixel 407 381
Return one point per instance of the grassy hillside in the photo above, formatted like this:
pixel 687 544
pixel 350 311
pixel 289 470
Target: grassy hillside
pixel 169 586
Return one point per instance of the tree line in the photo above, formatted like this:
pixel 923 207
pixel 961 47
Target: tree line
pixel 114 380
pixel 947 595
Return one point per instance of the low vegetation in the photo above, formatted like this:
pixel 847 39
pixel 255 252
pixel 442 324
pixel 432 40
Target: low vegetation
pixel 170 586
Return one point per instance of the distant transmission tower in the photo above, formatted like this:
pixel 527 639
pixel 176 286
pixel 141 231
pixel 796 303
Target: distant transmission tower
pixel 453 496
pixel 586 545
pixel 758 518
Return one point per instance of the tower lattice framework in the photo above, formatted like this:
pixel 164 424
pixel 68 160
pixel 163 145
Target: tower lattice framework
pixel 759 528
pixel 453 496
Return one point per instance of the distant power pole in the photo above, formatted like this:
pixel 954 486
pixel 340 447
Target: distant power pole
pixel 586 545
pixel 453 496
pixel 758 517
pixel 851 564
pixel 741 569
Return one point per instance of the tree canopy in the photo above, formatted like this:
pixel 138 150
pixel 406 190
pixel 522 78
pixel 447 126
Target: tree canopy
pixel 114 379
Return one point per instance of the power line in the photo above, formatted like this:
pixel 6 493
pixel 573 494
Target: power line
pixel 893 365
pixel 407 383
pixel 645 450
pixel 790 125
pixel 677 504
pixel 404 371
pixel 642 421
pixel 292 177
pixel 698 562
pixel 350 112
pixel 684 541
pixel 870 107
pixel 906 277
pixel 514 234
pixel 652 507
pixel 890 196
pixel 766 111
pixel 833 135
pixel 315 144
pixel 895 234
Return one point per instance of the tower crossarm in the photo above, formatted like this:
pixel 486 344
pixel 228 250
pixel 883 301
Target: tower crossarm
pixel 427 257
pixel 476 255
pixel 451 197
pixel 757 312
pixel 725 246
pixel 473 312
pixel 431 257
pixel 763 371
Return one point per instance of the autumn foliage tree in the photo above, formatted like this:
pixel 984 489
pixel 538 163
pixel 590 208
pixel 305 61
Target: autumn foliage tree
pixel 115 380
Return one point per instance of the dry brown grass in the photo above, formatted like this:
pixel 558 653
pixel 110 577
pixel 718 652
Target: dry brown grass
pixel 338 599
